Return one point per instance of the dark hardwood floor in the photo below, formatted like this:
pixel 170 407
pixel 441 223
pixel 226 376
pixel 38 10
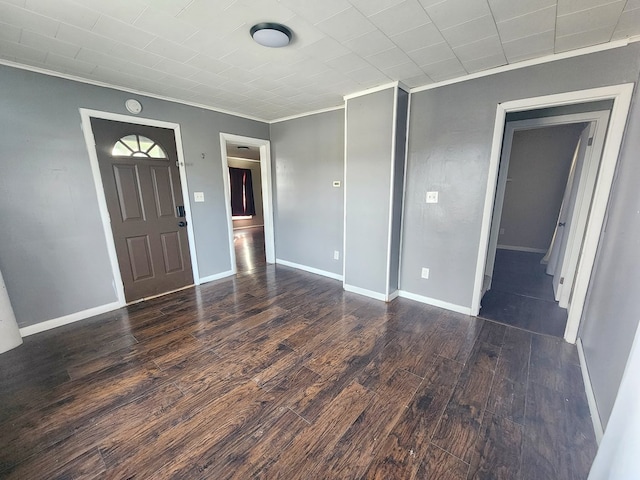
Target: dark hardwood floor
pixel 521 295
pixel 278 373
pixel 249 247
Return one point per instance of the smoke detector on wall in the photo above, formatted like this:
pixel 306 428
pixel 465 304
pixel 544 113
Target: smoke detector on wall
pixel 133 106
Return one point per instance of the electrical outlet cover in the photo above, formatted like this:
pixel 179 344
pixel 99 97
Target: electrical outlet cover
pixel 432 197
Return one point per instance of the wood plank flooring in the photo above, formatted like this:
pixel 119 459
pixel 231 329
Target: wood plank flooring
pixel 522 296
pixel 278 373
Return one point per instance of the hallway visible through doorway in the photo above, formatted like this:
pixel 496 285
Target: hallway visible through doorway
pixel 249 247
pixel 522 295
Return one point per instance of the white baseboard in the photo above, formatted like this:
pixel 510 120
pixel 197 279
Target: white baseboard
pixel 522 249
pixel 217 276
pixel 67 319
pixel 591 397
pixel 248 226
pixel 436 303
pixel 317 271
pixel 393 295
pixel 365 292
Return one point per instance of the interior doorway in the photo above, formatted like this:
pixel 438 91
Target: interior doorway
pixel 545 185
pixel 247 173
pixel 582 253
pixel 247 212
pixel 138 171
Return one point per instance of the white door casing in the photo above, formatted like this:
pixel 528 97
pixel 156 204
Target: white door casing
pixel 621 96
pixel 267 192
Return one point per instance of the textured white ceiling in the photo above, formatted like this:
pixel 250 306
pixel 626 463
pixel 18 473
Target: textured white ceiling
pixel 200 51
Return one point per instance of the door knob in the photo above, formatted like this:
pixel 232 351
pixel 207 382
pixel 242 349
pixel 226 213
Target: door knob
pixel 182 224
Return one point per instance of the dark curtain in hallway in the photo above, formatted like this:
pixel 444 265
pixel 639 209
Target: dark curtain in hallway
pixel 242 204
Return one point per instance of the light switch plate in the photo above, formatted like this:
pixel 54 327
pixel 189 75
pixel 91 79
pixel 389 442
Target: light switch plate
pixel 198 196
pixel 432 197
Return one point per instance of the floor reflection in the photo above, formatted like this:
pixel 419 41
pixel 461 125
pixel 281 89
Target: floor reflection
pixel 249 246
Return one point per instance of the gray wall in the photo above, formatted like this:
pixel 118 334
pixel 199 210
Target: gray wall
pixel 611 314
pixel 53 253
pixel 368 176
pixel 308 155
pixel 450 136
pixel 256 179
pixel 538 172
pixel 449 146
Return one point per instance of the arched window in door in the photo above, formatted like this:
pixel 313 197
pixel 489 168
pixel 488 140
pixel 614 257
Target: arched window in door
pixel 138 146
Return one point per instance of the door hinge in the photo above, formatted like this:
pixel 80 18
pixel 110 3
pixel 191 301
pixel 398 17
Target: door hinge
pixel 561 280
pixel 590 142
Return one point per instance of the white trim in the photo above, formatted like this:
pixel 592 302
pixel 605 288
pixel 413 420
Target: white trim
pixel 267 192
pixel 217 276
pixel 317 271
pixel 591 396
pixel 521 249
pixel 86 115
pixel 158 295
pixel 344 200
pixel 394 128
pixel 366 293
pixel 368 91
pixel 528 63
pixel 600 203
pixel 243 159
pixel 579 219
pixel 306 114
pixel 393 295
pixel 247 227
pixel 435 303
pixel 621 95
pixel 489 197
pixel 98 83
pixel 67 319
pixel 404 187
pixel 186 198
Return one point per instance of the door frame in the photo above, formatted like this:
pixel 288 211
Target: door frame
pixel 86 115
pixel 505 161
pixel 267 192
pixel 621 96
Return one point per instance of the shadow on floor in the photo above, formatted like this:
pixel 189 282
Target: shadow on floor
pixel 521 295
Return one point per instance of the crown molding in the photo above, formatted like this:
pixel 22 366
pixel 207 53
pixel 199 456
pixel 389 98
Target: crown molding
pixel 97 83
pixel 368 91
pixel 306 114
pixel 529 63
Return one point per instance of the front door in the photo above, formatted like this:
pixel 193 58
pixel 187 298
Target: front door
pixel 141 180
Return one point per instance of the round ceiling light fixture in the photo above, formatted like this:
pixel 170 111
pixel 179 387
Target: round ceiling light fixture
pixel 273 35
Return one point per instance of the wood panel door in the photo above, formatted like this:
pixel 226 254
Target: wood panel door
pixel 141 180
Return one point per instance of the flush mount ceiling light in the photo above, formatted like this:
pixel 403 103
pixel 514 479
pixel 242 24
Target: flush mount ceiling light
pixel 273 35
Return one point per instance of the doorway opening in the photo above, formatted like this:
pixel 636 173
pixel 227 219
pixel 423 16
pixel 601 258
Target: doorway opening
pixel 582 247
pixel 246 164
pixel 545 185
pixel 138 171
pixel 247 213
